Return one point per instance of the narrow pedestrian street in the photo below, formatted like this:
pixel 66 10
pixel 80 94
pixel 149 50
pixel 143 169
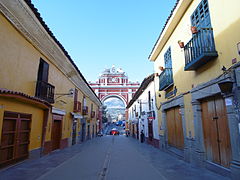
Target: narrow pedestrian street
pixel 107 157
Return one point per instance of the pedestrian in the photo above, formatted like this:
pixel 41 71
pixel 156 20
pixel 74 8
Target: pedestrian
pixel 142 136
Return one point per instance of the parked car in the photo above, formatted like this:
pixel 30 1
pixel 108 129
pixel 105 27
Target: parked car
pixel 114 131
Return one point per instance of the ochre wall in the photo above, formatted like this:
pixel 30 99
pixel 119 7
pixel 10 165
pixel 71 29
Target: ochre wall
pixel 19 69
pixel 13 105
pixel 226 24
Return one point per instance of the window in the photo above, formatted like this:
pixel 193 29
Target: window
pixel 43 71
pixel 166 77
pixel 44 90
pixel 168 59
pixel 149 100
pixel 200 17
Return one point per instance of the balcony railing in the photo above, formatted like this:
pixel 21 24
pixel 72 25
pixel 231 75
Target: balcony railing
pixel 165 79
pixel 200 49
pixel 45 91
pixel 85 110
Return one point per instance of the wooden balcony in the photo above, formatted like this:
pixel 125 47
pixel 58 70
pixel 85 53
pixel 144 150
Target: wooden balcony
pixel 77 106
pixel 165 79
pixel 200 49
pixel 45 91
pixel 85 110
pixel 93 114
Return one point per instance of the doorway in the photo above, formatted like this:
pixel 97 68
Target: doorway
pixel 15 137
pixel 174 128
pixel 74 131
pixel 83 132
pixel 216 131
pixel 56 131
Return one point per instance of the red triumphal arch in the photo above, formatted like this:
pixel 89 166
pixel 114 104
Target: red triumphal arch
pixel 113 82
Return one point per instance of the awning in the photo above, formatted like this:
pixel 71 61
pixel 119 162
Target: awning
pixel 77 116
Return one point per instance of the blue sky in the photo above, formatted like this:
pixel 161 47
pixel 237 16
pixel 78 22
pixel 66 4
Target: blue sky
pixel 100 33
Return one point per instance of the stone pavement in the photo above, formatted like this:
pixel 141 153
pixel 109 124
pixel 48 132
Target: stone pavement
pixel 32 169
pixel 171 167
pixel 108 157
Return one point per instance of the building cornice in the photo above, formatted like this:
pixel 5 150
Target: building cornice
pixel 172 22
pixel 22 17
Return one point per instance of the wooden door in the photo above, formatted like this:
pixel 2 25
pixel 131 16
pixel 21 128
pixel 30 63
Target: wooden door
pixel 15 137
pixel 216 132
pixel 56 134
pixel 150 130
pixel 83 132
pixel 174 128
pixel 74 132
pixel 179 128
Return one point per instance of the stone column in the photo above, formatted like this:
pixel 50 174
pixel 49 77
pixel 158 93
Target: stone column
pixel 199 150
pixel 186 144
pixel 163 139
pixel 234 130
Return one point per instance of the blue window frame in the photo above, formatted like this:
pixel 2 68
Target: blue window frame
pixel 168 59
pixel 166 77
pixel 201 17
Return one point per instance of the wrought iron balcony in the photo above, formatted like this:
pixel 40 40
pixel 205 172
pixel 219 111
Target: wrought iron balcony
pixel 200 49
pixel 165 79
pixel 45 91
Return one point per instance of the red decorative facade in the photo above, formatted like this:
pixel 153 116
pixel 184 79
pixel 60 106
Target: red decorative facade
pixel 114 83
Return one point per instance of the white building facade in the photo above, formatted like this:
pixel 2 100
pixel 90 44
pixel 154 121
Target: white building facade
pixel 142 113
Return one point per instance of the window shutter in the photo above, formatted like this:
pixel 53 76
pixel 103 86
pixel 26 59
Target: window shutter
pixel 200 17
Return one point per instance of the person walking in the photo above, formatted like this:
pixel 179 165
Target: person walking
pixel 142 136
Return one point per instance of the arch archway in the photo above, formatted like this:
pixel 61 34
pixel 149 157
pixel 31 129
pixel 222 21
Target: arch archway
pixel 115 96
pixel 116 107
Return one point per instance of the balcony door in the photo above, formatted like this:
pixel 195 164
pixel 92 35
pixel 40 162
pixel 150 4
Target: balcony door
pixel 201 16
pixel 43 71
pixel 168 59
pixel 44 90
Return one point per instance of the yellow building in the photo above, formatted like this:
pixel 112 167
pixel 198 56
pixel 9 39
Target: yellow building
pixel 196 59
pixel 45 102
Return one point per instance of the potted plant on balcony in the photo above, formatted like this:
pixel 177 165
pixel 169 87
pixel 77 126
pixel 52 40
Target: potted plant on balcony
pixel 194 29
pixel 161 68
pixel 181 44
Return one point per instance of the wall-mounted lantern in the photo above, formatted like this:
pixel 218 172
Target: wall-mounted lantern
pixel 226 86
pixel 238 48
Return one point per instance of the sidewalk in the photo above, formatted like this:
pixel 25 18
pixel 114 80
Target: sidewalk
pixel 171 167
pixel 32 169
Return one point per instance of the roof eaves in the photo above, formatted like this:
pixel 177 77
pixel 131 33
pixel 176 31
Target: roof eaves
pixel 169 17
pixel 141 89
pixel 38 16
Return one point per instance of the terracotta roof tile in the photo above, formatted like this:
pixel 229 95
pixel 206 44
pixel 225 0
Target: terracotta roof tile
pixel 169 17
pixel 7 91
pixel 38 15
